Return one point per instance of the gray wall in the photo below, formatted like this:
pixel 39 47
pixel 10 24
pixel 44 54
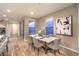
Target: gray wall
pixel 69 41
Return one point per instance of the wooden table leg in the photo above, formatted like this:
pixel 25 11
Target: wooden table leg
pixel 2 53
pixel 45 48
pixel 38 51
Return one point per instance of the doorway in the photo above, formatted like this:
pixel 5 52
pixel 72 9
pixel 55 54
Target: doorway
pixel 15 28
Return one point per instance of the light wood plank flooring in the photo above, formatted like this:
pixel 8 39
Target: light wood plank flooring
pixel 19 47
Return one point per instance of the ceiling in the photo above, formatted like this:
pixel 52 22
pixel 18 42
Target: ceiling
pixel 18 10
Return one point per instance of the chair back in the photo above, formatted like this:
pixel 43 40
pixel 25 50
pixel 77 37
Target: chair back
pixel 57 42
pixel 3 45
pixel 37 43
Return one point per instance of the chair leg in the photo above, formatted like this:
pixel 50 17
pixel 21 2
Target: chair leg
pixel 59 51
pixel 55 52
pixel 38 51
pixel 7 47
pixel 2 53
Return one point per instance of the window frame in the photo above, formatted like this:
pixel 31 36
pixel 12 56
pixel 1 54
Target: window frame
pixel 29 27
pixel 49 26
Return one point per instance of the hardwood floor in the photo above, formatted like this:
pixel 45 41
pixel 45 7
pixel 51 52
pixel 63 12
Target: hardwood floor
pixel 19 47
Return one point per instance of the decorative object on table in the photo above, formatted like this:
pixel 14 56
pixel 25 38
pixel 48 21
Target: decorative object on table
pixel 63 25
pixel 41 32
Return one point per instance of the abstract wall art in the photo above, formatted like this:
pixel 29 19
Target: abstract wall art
pixel 63 25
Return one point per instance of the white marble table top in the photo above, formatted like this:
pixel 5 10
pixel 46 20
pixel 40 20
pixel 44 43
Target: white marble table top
pixel 33 35
pixel 48 39
pixel 38 37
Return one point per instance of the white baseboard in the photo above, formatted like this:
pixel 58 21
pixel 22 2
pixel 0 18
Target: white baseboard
pixel 70 49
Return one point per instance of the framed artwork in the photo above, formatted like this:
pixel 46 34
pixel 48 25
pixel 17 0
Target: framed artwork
pixel 63 25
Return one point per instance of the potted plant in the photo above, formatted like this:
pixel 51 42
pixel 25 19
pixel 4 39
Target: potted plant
pixel 41 32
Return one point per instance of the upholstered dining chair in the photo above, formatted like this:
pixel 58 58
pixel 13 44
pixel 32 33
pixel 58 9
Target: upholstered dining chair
pixel 30 41
pixel 55 46
pixel 4 46
pixel 37 44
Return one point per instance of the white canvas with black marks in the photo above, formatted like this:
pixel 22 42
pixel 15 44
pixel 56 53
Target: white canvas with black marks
pixel 63 25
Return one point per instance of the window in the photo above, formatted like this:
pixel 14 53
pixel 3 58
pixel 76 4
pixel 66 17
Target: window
pixel 49 26
pixel 31 28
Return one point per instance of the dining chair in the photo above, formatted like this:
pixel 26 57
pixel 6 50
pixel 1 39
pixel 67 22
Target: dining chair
pixel 4 46
pixel 37 45
pixel 30 41
pixel 55 46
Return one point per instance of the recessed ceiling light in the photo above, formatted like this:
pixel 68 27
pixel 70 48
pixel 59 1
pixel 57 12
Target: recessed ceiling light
pixel 8 10
pixel 4 15
pixel 32 13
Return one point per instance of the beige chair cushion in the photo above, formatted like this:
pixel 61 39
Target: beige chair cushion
pixel 55 45
pixel 37 43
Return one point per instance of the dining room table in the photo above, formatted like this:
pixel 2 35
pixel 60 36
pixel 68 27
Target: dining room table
pixel 46 40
